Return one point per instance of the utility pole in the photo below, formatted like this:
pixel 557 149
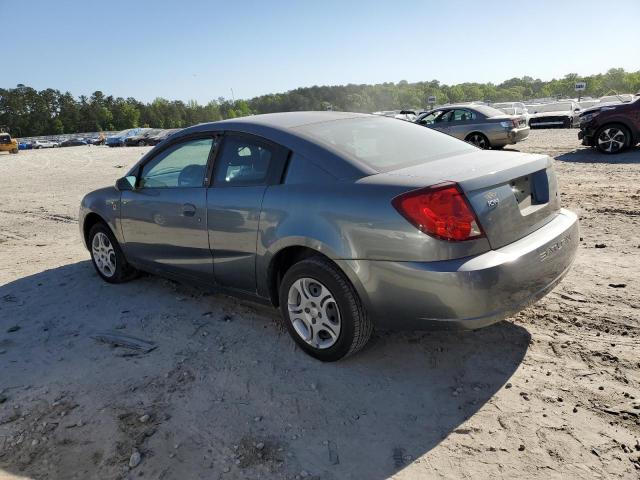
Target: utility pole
pixel 233 98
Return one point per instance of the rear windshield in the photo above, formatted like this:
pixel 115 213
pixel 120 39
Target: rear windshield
pixel 382 143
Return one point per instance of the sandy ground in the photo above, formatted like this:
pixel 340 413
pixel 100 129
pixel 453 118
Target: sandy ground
pixel 551 393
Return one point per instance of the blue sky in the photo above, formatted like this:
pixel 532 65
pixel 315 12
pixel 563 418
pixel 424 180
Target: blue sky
pixel 202 49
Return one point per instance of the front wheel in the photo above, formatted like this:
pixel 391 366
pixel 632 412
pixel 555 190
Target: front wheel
pixel 612 139
pixel 479 140
pixel 322 311
pixel 107 256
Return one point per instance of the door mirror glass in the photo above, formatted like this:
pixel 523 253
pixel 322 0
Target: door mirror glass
pixel 126 183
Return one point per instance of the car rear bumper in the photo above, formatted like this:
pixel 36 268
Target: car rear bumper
pixel 471 292
pixel 518 134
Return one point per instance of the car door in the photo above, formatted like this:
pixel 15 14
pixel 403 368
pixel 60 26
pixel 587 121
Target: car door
pixel 461 123
pixel 243 168
pixel 437 120
pixel 164 219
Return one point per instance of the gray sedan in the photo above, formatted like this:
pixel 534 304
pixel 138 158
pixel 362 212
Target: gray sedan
pixel 342 221
pixel 485 127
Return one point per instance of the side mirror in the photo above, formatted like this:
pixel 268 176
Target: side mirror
pixel 126 183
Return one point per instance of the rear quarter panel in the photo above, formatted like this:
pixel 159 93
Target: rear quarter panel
pixel 346 221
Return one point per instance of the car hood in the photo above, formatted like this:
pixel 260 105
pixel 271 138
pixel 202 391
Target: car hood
pixel 558 113
pixel 604 106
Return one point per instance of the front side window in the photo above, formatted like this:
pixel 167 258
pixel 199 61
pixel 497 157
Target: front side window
pixel 438 116
pixel 181 165
pixel 242 162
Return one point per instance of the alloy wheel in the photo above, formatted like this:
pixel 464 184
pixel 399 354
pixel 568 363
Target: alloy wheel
pixel 314 313
pixel 104 254
pixel 478 140
pixel 612 139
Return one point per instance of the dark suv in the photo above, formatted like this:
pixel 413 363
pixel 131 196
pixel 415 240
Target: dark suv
pixel 611 128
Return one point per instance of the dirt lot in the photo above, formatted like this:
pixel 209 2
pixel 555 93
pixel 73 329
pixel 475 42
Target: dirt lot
pixel 551 393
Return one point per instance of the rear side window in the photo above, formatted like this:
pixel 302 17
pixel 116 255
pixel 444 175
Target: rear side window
pixel 242 162
pixel 384 144
pixel 463 115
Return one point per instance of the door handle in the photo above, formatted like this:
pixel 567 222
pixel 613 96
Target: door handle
pixel 188 210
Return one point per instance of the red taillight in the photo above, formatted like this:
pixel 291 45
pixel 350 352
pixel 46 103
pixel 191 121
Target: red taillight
pixel 441 211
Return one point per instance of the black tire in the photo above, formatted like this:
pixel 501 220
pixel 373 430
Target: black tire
pixel 479 140
pixel 609 148
pixel 356 326
pixel 141 143
pixel 123 271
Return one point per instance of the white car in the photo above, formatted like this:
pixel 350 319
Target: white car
pixel 513 108
pixel 45 144
pixel 562 114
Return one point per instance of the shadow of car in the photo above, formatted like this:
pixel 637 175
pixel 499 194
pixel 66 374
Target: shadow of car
pixel 235 384
pixel 590 155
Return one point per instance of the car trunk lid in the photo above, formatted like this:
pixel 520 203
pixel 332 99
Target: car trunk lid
pixel 512 194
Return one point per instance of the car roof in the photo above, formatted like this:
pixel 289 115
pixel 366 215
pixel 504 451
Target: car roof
pixel 280 128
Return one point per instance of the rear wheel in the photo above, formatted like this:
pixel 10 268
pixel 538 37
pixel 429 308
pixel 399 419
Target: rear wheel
pixel 14 151
pixel 479 140
pixel 107 256
pixel 141 143
pixel 612 139
pixel 322 310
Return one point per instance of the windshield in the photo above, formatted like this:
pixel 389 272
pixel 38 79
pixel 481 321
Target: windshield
pixel 508 110
pixel 383 143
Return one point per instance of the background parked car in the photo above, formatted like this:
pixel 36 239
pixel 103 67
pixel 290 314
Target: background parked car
pixel 140 140
pixel 25 145
pixel 95 139
pixel 484 126
pixel 611 128
pixel 162 135
pixel 45 144
pixel 513 108
pixel 554 115
pixel 119 138
pixel 73 142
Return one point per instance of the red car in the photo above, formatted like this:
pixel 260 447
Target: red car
pixel 611 128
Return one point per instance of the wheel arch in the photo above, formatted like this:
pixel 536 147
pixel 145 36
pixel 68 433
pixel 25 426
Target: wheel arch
pixel 91 219
pixel 286 257
pixel 281 261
